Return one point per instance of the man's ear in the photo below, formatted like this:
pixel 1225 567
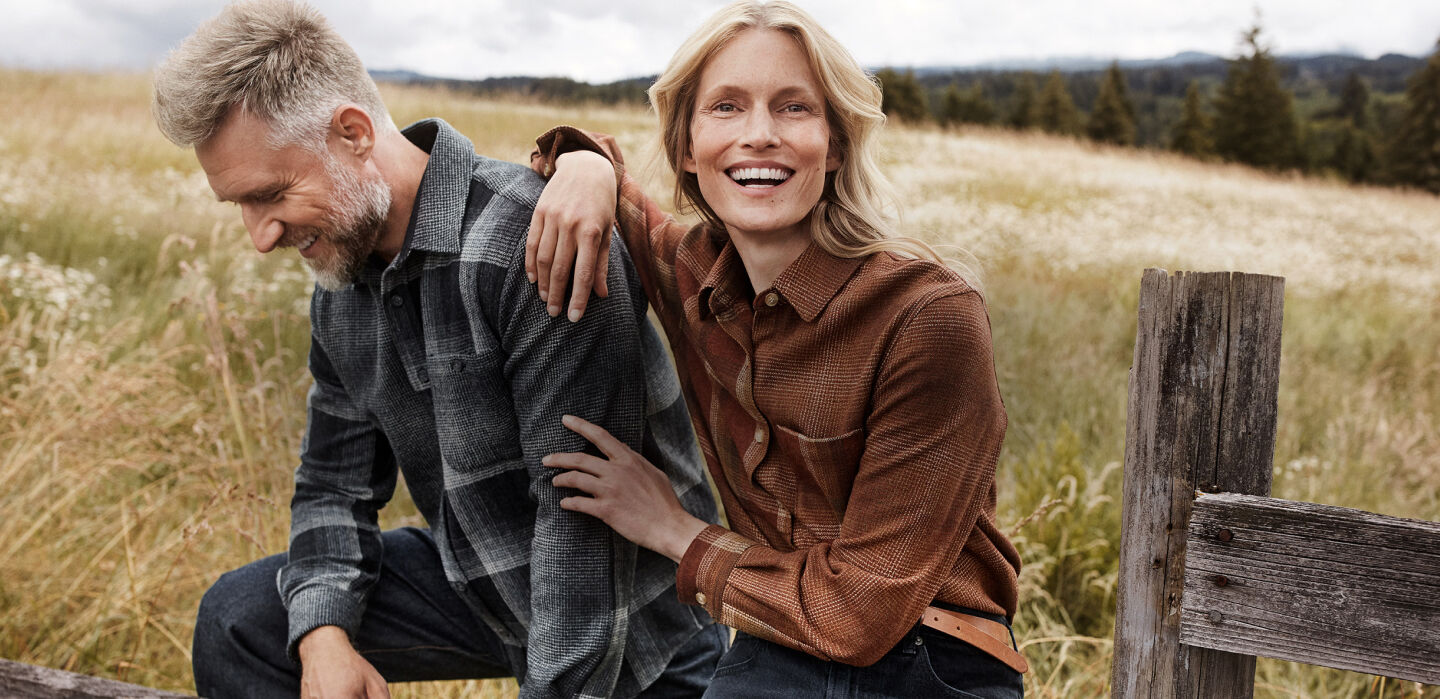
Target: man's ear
pixel 352 131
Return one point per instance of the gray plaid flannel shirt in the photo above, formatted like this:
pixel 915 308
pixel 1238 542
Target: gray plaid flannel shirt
pixel 445 366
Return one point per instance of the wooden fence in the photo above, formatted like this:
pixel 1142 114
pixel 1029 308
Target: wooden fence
pixel 1212 571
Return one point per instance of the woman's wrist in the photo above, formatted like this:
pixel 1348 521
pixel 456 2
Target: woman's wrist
pixel 679 536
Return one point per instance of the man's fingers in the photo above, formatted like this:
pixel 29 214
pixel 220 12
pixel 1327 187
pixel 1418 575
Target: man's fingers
pixel 584 277
pixel 560 270
pixel 597 435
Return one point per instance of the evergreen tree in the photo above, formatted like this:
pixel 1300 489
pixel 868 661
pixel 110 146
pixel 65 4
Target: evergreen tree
pixel 1254 116
pixel 1415 152
pixel 1191 134
pixel 1057 110
pixel 1355 156
pixel 1355 101
pixel 969 107
pixel 1113 119
pixel 901 96
pixel 1025 105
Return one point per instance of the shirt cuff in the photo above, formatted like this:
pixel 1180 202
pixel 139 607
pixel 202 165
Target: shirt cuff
pixel 566 139
pixel 705 568
pixel 311 608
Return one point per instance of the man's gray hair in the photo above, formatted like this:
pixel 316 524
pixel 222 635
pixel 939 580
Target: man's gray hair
pixel 277 59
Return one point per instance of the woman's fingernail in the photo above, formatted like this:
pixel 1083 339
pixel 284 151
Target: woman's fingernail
pixel 574 315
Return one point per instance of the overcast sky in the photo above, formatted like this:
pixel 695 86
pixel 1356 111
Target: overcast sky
pixel 611 39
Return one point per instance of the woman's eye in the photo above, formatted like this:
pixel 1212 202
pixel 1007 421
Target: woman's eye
pixel 724 107
pixel 796 108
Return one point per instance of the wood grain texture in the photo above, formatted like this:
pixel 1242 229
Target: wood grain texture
pixel 21 681
pixel 1201 414
pixel 1315 584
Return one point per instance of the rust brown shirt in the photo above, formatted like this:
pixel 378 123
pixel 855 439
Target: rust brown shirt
pixel 851 420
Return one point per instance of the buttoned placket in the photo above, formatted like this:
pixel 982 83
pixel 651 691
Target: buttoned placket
pixel 402 311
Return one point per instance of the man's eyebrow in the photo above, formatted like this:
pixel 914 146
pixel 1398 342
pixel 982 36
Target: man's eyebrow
pixel 257 194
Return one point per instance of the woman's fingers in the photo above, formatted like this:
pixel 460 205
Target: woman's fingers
pixel 545 256
pixel 597 435
pixel 560 269
pixel 584 274
pixel 579 480
pixel 578 461
pixel 532 241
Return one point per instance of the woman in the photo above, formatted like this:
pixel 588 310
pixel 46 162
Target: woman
pixel 840 382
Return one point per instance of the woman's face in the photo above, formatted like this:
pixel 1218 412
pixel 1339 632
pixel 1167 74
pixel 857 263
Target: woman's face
pixel 759 141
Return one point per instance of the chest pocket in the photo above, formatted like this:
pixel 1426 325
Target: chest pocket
pixel 824 472
pixel 471 401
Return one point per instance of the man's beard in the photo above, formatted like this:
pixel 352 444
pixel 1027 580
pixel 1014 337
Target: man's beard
pixel 354 224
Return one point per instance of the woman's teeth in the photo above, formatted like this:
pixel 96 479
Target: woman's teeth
pixel 759 176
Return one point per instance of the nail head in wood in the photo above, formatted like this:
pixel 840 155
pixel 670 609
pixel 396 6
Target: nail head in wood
pixel 1226 535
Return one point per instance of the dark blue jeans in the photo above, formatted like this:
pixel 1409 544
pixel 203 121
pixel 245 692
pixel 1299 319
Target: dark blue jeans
pixel 925 663
pixel 415 628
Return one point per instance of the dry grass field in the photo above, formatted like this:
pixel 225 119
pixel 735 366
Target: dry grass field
pixel 152 365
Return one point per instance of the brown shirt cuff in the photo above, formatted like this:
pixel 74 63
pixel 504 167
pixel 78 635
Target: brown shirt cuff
pixel 705 567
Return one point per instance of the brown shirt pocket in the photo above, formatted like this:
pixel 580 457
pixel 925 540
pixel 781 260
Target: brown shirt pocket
pixel 824 469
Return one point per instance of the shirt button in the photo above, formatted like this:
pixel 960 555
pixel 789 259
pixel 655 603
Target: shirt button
pixel 759 434
pixel 700 598
pixel 772 298
pixel 396 301
pixel 423 375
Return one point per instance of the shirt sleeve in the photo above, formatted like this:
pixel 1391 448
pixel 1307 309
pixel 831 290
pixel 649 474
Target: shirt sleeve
pixel 932 440
pixel 346 474
pixel 651 235
pixel 581 571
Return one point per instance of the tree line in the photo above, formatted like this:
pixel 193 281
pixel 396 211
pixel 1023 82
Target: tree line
pixel 1364 121
pixel 1248 116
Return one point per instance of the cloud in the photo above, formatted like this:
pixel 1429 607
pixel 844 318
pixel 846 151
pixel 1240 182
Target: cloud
pixel 623 38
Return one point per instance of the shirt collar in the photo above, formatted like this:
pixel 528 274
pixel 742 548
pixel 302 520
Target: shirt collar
pixel 726 280
pixel 444 190
pixel 807 284
pixel 813 279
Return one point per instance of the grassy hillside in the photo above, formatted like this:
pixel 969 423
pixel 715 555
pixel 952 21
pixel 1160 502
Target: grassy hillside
pixel 152 370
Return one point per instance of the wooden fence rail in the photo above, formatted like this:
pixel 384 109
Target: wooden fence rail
pixel 1213 572
pixel 21 681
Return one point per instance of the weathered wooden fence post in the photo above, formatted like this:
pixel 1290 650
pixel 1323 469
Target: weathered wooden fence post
pixel 1201 416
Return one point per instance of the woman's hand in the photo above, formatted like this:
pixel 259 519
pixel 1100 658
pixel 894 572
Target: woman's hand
pixel 571 224
pixel 626 491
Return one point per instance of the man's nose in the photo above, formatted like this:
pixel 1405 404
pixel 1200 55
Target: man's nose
pixel 265 230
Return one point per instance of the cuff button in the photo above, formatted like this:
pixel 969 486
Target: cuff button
pixel 700 598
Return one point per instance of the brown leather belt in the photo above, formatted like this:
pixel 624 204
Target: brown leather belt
pixel 993 638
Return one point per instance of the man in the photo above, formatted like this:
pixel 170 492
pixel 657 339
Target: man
pixel 431 356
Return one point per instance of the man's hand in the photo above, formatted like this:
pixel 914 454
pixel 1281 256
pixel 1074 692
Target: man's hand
pixel 331 669
pixel 572 224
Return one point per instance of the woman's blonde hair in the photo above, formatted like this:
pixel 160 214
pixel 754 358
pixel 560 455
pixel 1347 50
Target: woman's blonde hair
pixel 854 216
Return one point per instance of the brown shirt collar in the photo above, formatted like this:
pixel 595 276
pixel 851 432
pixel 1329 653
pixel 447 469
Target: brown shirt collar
pixel 807 284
